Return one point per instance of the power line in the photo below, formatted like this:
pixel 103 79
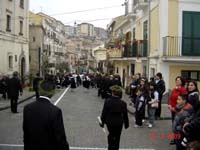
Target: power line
pixel 66 13
pixel 86 10
pixel 93 20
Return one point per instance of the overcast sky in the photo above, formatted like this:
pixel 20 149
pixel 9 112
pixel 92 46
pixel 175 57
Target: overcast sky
pixel 60 9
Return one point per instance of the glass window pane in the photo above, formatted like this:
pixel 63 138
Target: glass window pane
pixel 185 74
pixel 194 75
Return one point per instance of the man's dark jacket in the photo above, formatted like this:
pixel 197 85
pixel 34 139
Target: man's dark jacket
pixel 115 112
pixel 14 87
pixel 36 82
pixel 43 127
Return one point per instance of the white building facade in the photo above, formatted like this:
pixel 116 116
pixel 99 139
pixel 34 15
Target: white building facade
pixel 14 35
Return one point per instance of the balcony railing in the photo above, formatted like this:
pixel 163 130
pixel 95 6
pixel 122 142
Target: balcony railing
pixel 181 46
pixel 115 53
pixel 136 49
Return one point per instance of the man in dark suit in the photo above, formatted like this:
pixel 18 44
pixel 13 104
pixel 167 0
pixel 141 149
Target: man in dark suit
pixel 35 84
pixel 114 115
pixel 14 88
pixel 43 122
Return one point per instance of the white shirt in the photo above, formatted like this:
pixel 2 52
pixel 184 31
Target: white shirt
pixel 45 98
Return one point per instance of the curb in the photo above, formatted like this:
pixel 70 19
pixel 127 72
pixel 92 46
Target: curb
pixel 6 107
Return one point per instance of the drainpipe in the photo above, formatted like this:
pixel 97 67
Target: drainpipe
pixel 1 15
pixel 149 37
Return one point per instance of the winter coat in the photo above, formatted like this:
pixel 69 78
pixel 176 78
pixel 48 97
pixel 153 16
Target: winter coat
pixel 193 99
pixel 140 103
pixel 174 95
pixel 182 112
pixel 160 87
pixel 193 128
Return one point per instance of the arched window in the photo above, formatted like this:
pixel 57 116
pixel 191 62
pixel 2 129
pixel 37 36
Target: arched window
pixel 10 62
pixel 22 3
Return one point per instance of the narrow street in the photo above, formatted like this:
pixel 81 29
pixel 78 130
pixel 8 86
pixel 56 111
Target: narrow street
pixel 80 110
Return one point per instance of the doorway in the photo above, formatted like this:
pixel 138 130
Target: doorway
pixel 22 69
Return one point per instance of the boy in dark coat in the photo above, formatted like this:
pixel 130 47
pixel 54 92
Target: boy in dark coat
pixel 140 107
pixel 183 110
pixel 114 115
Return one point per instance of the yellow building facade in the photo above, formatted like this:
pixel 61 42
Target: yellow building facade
pixel 164 37
pixel 171 49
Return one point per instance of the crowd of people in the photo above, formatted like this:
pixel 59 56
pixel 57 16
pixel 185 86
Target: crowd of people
pixel 184 101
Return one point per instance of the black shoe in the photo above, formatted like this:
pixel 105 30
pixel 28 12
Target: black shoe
pixel 172 142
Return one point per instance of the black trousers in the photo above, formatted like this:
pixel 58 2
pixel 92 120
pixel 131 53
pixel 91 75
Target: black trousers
pixel 138 117
pixel 37 94
pixel 158 110
pixel 114 136
pixel 13 103
pixel 99 91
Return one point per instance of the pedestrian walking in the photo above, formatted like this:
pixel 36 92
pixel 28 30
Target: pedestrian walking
pixel 43 126
pixel 14 88
pixel 78 79
pixel 86 82
pixel 114 115
pixel 3 87
pixel 35 84
pixel 72 83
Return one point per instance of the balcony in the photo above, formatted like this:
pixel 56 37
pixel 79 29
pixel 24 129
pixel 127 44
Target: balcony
pixel 181 48
pixel 140 4
pixel 136 49
pixel 114 53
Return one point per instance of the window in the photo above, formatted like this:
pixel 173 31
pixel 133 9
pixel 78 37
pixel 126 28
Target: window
pixel 8 25
pixel 145 30
pixel 33 39
pixel 15 58
pixel 145 70
pixel 21 27
pixel 132 69
pixel 22 3
pixel 191 74
pixel 10 63
pixel 133 33
pixel 152 72
pixel 145 37
pixel 191 34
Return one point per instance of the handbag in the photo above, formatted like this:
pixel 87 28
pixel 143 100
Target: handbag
pixel 154 105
